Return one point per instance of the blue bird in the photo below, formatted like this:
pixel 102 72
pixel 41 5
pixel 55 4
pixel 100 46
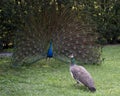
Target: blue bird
pixel 50 51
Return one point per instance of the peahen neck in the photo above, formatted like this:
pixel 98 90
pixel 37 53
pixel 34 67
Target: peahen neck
pixel 73 61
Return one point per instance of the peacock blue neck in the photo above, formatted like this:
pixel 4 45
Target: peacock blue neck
pixel 72 61
pixel 50 43
pixel 50 51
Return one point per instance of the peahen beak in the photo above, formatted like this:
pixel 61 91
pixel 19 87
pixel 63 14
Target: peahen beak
pixel 71 56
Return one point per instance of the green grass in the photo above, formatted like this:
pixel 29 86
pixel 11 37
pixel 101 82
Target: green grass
pixel 52 78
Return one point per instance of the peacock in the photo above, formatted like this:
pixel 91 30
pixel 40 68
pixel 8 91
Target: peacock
pixel 66 31
pixel 50 51
pixel 81 75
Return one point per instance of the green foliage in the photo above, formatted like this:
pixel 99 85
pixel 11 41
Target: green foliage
pixel 52 78
pixel 109 27
pixel 106 16
pixel 8 22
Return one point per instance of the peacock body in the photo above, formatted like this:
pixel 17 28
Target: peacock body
pixel 81 75
pixel 50 51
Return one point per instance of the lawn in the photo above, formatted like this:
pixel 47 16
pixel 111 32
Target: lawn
pixel 52 78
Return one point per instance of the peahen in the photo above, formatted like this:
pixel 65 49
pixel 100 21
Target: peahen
pixel 81 75
pixel 50 51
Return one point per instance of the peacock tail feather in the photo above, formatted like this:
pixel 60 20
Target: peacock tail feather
pixel 68 33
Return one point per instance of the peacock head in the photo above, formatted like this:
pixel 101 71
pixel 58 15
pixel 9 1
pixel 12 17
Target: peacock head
pixel 51 41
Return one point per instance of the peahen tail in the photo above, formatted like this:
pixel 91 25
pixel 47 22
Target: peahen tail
pixel 92 89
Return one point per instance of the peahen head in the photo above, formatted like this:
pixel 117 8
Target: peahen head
pixel 72 59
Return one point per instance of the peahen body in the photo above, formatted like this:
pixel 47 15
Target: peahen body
pixel 50 51
pixel 81 75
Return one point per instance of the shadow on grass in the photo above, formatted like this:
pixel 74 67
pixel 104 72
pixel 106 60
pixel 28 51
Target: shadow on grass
pixel 80 87
pixel 69 86
pixel 43 65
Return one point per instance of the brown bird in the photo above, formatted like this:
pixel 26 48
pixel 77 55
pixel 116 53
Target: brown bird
pixel 81 75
